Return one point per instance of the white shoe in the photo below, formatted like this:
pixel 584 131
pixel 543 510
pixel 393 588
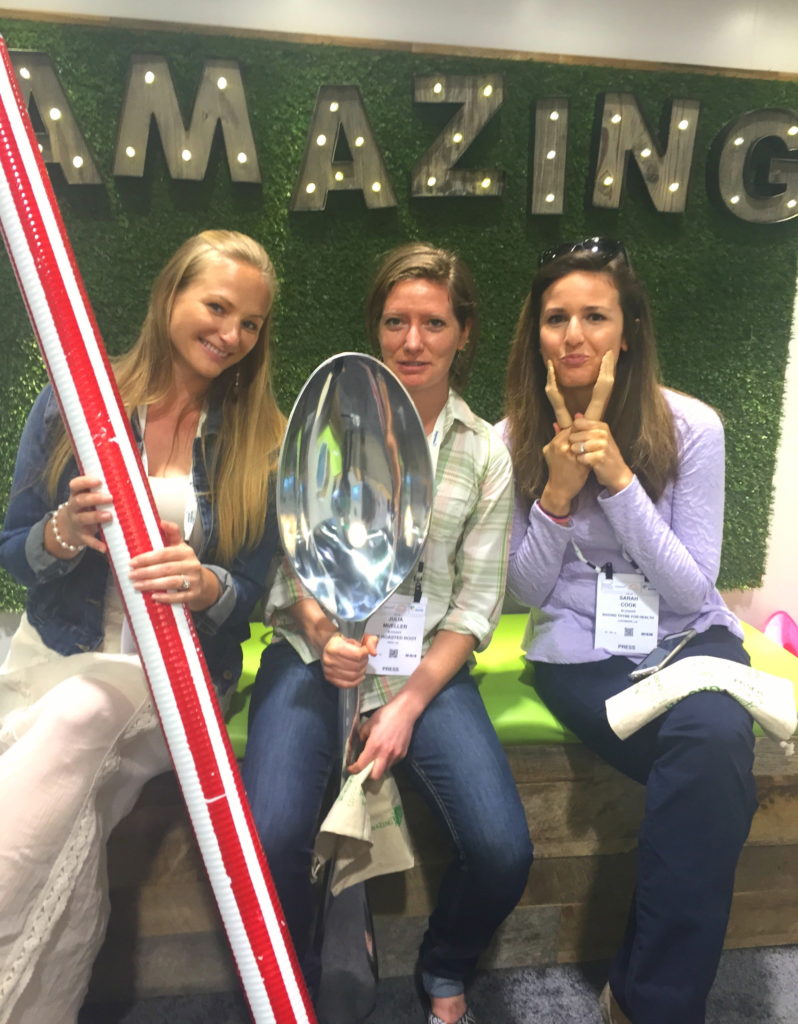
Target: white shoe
pixel 467 1018
pixel 611 1013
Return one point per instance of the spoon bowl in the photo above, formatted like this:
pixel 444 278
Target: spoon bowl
pixel 354 487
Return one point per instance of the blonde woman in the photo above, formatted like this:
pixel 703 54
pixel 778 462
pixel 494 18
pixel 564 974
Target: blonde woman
pixel 78 735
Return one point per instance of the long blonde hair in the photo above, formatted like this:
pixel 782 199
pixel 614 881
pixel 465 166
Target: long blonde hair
pixel 251 423
pixel 637 413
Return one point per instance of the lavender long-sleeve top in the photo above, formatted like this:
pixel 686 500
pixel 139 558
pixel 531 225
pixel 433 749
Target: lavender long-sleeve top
pixel 675 542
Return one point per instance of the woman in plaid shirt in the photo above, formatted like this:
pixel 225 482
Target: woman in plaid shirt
pixel 432 725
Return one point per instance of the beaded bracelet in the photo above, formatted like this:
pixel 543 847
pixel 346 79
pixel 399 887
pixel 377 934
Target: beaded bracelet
pixel 74 548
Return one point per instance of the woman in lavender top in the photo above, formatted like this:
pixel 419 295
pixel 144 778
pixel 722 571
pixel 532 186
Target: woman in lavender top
pixel 616 543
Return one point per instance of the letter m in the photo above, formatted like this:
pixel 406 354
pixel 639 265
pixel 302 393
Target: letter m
pixel 220 100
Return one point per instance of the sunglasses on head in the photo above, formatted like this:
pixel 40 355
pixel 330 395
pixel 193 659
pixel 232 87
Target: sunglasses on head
pixel 609 248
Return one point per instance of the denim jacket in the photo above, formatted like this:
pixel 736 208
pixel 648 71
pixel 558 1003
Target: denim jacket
pixel 66 596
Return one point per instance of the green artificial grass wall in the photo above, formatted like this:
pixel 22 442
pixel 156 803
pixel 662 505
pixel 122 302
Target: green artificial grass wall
pixel 722 289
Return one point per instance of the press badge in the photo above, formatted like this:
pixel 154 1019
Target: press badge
pixel 399 624
pixel 627 613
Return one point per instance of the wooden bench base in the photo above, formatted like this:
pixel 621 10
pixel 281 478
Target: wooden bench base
pixel 165 936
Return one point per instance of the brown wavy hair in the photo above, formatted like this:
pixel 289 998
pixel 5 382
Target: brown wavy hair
pixel 637 414
pixel 251 426
pixel 419 260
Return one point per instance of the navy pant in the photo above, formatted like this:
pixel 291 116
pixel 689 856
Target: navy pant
pixel 456 760
pixel 696 764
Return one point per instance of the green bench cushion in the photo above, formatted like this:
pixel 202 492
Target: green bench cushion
pixel 505 683
pixel 238 709
pixel 517 713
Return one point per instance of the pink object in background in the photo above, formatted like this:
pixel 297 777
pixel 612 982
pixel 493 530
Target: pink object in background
pixel 783 629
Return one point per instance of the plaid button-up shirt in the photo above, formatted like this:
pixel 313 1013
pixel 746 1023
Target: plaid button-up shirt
pixel 465 556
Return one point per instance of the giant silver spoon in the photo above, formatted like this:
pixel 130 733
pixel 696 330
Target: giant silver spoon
pixel 354 497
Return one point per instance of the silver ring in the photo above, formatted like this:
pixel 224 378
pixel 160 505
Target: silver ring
pixel 185 583
pixel 582 448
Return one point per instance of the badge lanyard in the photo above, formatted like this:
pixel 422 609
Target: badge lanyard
pixel 400 622
pixel 627 609
pixel 434 440
pixel 606 568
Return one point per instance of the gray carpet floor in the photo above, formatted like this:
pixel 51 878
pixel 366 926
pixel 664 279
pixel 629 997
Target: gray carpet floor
pixel 753 986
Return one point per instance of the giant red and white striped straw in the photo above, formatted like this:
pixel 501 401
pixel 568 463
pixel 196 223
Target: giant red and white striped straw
pixel 95 418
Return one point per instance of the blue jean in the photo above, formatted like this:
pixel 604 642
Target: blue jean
pixel 696 764
pixel 456 760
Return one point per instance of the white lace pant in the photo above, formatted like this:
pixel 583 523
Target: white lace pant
pixel 78 739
